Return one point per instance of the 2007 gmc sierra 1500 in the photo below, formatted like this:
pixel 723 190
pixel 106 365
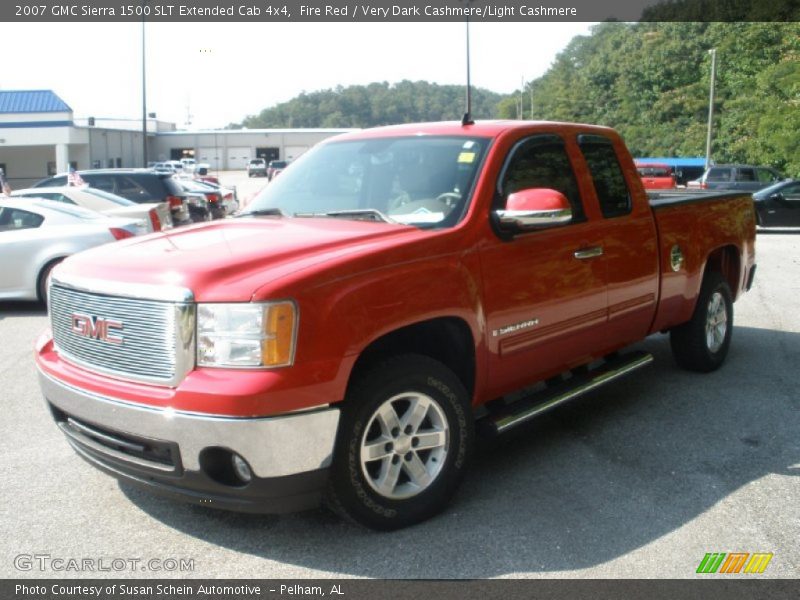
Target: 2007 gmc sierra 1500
pixel 342 338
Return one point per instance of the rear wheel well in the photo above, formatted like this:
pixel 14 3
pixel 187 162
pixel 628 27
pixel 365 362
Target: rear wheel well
pixel 725 260
pixel 447 340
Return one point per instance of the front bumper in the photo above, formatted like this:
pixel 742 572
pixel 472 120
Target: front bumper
pixel 185 455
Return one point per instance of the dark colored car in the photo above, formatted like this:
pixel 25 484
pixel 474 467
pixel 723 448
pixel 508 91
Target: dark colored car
pixel 778 205
pixel 138 185
pixel 274 167
pixel 745 178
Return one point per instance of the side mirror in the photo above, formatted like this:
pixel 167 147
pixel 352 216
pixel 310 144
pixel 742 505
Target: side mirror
pixel 534 208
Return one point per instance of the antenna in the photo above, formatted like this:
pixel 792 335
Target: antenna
pixel 467 118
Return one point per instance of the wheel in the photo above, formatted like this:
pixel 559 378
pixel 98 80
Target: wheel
pixel 702 343
pixel 404 440
pixel 41 283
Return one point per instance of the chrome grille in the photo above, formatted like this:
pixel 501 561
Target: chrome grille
pixel 157 336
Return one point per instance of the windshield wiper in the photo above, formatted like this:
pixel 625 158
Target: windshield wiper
pixel 359 214
pixel 263 212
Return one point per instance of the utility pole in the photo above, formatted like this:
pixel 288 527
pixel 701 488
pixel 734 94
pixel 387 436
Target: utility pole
pixel 713 53
pixel 531 100
pixel 144 94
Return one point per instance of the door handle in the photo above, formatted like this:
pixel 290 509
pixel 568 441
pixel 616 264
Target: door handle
pixel 585 253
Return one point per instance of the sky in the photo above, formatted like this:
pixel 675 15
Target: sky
pixel 207 75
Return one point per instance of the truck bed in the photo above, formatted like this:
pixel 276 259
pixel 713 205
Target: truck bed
pixel 661 198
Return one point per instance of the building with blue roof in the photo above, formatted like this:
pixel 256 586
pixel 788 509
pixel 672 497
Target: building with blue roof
pixel 40 136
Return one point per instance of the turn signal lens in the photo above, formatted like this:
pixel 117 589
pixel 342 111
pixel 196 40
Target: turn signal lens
pixel 278 345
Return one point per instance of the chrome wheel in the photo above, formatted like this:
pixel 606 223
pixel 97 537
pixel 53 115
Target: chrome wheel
pixel 716 322
pixel 404 446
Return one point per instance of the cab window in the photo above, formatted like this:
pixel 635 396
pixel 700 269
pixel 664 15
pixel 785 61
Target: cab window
pixel 607 176
pixel 540 162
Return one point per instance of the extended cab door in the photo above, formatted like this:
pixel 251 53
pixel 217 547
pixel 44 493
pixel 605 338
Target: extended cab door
pixel 544 290
pixel 629 238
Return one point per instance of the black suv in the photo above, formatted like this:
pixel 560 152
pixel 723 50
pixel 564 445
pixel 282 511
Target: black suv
pixel 139 185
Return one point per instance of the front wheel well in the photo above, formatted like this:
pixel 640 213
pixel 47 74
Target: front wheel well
pixel 41 278
pixel 448 340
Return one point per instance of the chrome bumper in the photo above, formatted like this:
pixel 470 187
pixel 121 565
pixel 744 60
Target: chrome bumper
pixel 273 446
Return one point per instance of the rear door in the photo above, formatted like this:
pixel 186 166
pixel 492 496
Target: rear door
pixel 746 180
pixel 544 290
pixel 629 239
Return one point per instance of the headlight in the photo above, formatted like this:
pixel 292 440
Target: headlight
pixel 246 335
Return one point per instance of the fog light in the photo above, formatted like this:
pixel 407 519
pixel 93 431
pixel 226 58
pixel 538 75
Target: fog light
pixel 242 468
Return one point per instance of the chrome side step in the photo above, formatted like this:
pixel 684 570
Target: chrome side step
pixel 526 408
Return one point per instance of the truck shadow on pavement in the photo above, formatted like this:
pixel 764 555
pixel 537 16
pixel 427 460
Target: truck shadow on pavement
pixel 584 485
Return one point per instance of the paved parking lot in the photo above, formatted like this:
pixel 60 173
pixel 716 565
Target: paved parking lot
pixel 638 480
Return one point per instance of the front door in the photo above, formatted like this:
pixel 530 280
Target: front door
pixel 544 290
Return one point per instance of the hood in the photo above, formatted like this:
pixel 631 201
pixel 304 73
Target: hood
pixel 230 259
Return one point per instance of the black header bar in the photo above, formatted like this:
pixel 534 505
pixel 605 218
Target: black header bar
pixel 370 11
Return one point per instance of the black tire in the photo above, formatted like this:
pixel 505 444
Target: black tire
pixel 395 386
pixel 702 343
pixel 41 283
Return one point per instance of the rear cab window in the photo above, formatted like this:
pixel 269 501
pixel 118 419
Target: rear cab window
pixel 609 182
pixel 654 171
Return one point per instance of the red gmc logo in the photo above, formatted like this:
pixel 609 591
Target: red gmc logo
pixel 98 328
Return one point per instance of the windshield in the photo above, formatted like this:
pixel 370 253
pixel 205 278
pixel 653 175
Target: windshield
pixel 420 180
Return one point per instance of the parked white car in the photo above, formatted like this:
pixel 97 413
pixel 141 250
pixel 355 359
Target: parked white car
pixel 152 216
pixel 36 234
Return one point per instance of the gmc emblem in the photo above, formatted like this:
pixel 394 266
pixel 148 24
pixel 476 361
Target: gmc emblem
pixel 98 328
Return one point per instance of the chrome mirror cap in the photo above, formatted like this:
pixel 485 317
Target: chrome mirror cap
pixel 525 220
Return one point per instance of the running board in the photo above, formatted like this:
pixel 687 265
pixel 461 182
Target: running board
pixel 526 408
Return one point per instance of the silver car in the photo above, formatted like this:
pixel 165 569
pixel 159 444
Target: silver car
pixel 152 216
pixel 36 234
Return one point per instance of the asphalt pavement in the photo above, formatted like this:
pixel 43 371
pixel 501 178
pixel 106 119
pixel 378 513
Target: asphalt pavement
pixel 637 480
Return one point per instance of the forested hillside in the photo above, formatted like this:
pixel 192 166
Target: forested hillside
pixel 648 80
pixel 651 82
pixel 375 104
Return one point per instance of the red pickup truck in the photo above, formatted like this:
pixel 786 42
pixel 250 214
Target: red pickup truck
pixel 342 339
pixel 656 176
